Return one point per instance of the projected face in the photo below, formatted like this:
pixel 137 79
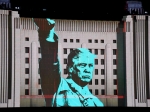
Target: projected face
pixel 82 68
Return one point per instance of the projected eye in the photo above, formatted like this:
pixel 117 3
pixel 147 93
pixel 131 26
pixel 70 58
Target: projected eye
pixel 82 65
pixel 90 65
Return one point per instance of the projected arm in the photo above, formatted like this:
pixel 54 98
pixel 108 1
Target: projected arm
pixel 49 63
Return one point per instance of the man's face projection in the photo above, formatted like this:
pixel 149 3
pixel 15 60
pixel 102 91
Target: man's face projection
pixel 83 68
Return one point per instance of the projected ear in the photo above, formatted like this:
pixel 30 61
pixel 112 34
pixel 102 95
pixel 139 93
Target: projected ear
pixel 70 69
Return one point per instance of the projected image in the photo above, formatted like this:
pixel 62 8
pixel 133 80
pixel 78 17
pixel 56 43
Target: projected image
pixel 73 90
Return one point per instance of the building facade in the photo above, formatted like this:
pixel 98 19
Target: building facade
pixel 121 74
pixel 133 61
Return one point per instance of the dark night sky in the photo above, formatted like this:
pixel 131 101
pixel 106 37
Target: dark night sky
pixel 101 9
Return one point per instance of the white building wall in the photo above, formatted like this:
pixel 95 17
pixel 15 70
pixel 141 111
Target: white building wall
pixel 12 76
pixel 29 31
pixel 140 66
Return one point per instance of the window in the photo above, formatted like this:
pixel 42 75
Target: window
pixel 102 72
pixel 96 61
pixel 96 51
pixel 38 71
pixel 114 71
pixel 65 71
pixel 96 81
pixel 65 61
pixel 114 62
pixel 26 70
pixel 102 82
pixel 39 92
pixel 102 41
pixel 114 41
pixel 71 50
pixel 115 92
pixel 26 91
pixel 102 51
pixel 26 49
pixel 90 90
pixel 96 91
pixel 39 50
pixel 90 41
pixel 90 83
pixel 39 59
pixel 102 61
pixel 26 38
pixel 96 41
pixel 26 81
pixel 115 81
pixel 114 51
pixel 96 71
pixel 26 60
pixel 71 40
pixel 77 40
pixel 102 92
pixel 65 40
pixel 39 81
pixel 65 51
pixel 90 50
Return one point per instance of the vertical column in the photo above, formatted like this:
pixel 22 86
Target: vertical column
pixel 129 62
pixel 33 73
pixel 108 72
pixel 83 45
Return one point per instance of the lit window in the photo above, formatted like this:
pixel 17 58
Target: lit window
pixel 114 41
pixel 39 50
pixel 96 81
pixel 96 51
pixel 102 82
pixel 26 81
pixel 39 92
pixel 114 62
pixel 39 81
pixel 26 91
pixel 77 40
pixel 90 41
pixel 102 92
pixel 26 60
pixel 102 41
pixel 96 41
pixel 115 92
pixel 26 38
pixel 96 61
pixel 71 40
pixel 114 51
pixel 26 70
pixel 96 71
pixel 26 49
pixel 65 51
pixel 102 72
pixel 102 51
pixel 39 59
pixel 114 71
pixel 65 71
pixel 102 61
pixel 65 61
pixel 115 81
pixel 71 50
pixel 96 91
pixel 65 40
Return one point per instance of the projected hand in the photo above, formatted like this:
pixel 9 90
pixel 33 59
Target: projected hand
pixel 46 29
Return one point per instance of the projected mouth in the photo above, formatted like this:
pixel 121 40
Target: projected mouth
pixel 86 76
